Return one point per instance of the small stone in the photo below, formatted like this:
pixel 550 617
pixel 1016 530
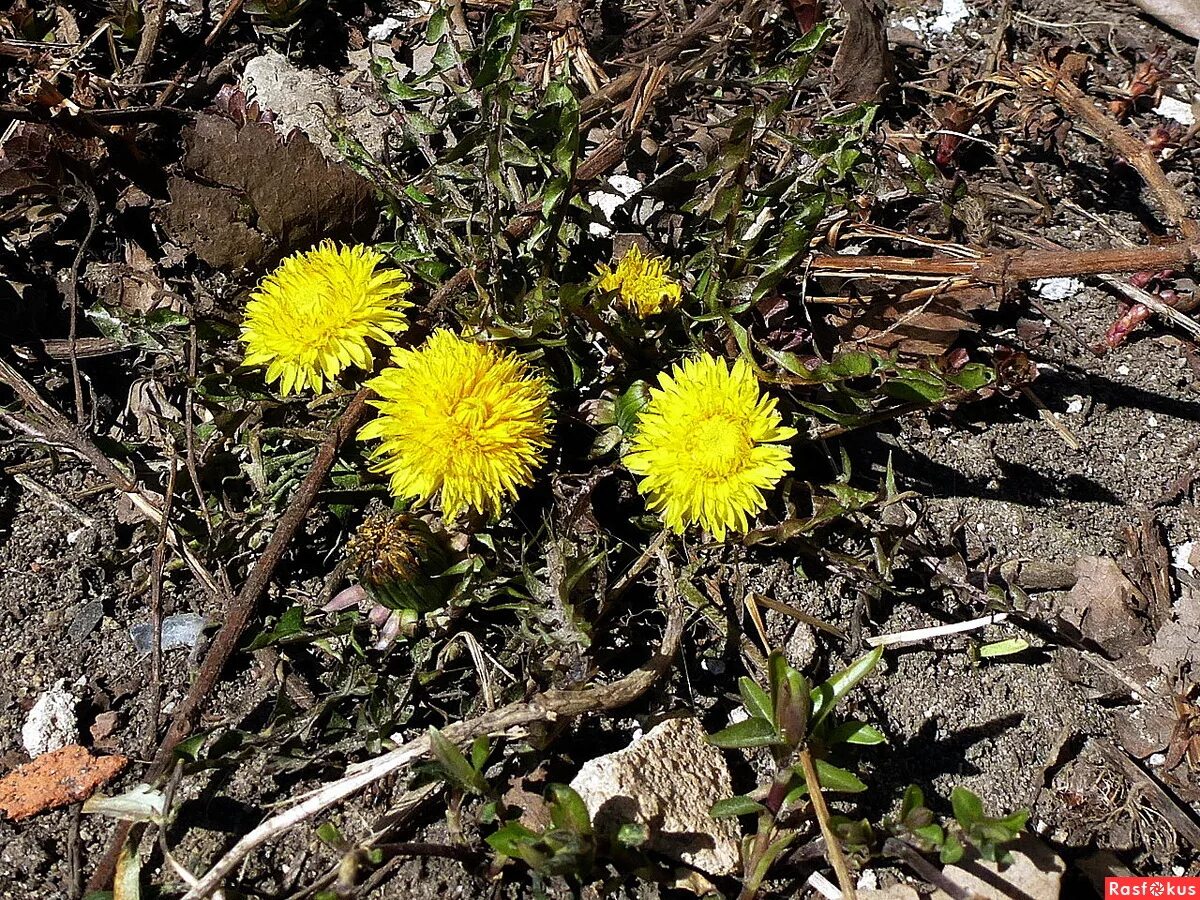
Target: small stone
pixel 103 727
pixel 51 723
pixel 85 620
pixel 1035 873
pixel 891 892
pixel 1176 110
pixel 178 632
pixel 801 647
pixel 1058 288
pixel 666 781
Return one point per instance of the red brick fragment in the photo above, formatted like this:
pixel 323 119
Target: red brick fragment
pixel 54 779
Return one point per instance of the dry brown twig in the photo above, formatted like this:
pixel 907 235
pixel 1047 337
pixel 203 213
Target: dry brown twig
pixel 237 617
pixel 1110 132
pixel 833 846
pixel 148 44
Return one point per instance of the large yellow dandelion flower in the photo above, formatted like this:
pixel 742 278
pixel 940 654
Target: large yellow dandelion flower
pixel 458 418
pixel 641 283
pixel 311 317
pixel 705 446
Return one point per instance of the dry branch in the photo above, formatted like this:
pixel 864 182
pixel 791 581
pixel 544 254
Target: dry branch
pixel 1005 267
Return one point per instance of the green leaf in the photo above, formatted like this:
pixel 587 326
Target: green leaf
pixel 454 764
pixel 914 798
pixel 509 840
pixel 968 808
pixel 632 834
pixel 752 732
pixel 915 386
pixel 828 694
pixel 190 749
pixel 952 850
pixel 480 751
pixel 847 365
pixel 839 780
pixel 792 707
pixel 419 123
pixel 1015 822
pixel 330 834
pixel 972 376
pixel 438 25
pixel 567 809
pixel 290 623
pixel 1003 648
pixel 853 731
pixel 755 699
pixel 735 806
pixel 933 833
pixel 628 407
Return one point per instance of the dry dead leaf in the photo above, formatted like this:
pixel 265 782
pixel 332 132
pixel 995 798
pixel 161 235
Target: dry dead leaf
pixel 925 327
pixel 1102 606
pixel 54 779
pixel 256 197
pixel 863 65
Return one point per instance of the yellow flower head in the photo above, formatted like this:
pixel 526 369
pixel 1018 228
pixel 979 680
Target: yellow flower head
pixel 460 418
pixel 641 283
pixel 705 446
pixel 311 317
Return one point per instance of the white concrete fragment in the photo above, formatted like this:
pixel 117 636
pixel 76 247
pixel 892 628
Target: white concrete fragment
pixel 311 101
pixel 384 30
pixel 1035 873
pixel 1057 288
pixel 1181 557
pixel 51 723
pixel 666 781
pixel 1176 110
pixel 953 12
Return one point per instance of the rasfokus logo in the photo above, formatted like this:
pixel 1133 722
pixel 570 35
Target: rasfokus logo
pixel 1154 887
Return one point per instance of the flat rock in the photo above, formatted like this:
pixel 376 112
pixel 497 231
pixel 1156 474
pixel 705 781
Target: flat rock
pixel 892 892
pixel 312 102
pixel 667 781
pixel 1035 873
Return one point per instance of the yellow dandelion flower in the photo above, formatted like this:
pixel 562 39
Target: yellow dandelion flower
pixel 311 318
pixel 706 446
pixel 641 283
pixel 458 418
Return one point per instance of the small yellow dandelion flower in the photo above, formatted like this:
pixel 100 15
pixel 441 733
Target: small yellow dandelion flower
pixel 311 317
pixel 705 446
pixel 641 283
pixel 460 418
